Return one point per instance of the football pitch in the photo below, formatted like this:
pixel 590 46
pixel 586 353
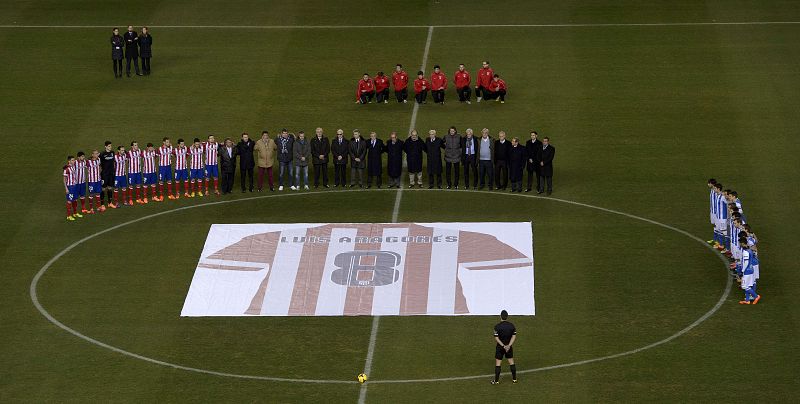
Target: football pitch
pixel 644 103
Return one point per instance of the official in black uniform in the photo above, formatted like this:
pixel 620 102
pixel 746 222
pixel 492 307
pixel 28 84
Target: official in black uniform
pixel 131 51
pixel 504 335
pixel 116 52
pixel 546 156
pixel 534 146
pixel 145 51
pixel 107 172
pixel 244 149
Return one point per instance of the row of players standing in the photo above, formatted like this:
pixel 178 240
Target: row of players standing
pixel 134 46
pixel 484 160
pixel 489 86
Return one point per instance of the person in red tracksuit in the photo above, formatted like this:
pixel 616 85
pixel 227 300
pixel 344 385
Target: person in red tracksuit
pixel 438 85
pixel 421 87
pixel 497 90
pixel 381 88
pixel 483 81
pixel 400 83
pixel 463 81
pixel 366 90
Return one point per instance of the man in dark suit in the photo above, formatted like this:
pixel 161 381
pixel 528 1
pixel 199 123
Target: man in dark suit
pixel 502 150
pixel 469 158
pixel 394 159
pixel 320 149
pixel 246 163
pixel 534 146
pixel 433 150
pixel 358 153
pixel 546 157
pixel 131 51
pixel 414 147
pixel 227 164
pixel 517 158
pixel 374 160
pixel 340 149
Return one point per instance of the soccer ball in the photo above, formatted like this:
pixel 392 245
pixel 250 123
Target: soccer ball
pixel 362 377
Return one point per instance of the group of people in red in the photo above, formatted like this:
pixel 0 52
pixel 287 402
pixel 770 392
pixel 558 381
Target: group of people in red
pixel 488 86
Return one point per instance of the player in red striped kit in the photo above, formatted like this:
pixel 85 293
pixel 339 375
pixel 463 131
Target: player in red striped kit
pixel 181 171
pixel 211 148
pixel 196 167
pixel 80 179
pixel 463 80
pixel 484 81
pixel 135 172
pixel 70 188
pixel 95 182
pixel 149 175
pixel 164 168
pixel 438 85
pixel 120 178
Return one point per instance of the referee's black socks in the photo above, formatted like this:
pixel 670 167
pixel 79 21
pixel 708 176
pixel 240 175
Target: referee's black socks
pixel 496 373
pixel 513 372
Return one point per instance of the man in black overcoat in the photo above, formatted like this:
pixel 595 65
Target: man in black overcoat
pixel 517 159
pixel 340 150
pixel 546 157
pixel 394 159
pixel 227 165
pixel 374 161
pixel 414 147
pixel 131 51
pixel 244 149
pixel 534 146
pixel 433 150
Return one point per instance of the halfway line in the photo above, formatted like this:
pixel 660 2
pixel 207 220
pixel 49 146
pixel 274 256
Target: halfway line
pixel 373 335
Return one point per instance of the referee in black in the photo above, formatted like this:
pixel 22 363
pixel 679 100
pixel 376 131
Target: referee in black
pixel 504 334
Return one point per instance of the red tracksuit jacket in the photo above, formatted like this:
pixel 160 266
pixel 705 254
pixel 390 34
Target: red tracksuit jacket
pixel 498 85
pixel 485 77
pixel 462 79
pixel 365 87
pixel 421 85
pixel 438 81
pixel 399 80
pixel 381 83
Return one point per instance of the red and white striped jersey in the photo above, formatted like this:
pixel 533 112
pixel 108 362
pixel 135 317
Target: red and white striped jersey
pixel 80 171
pixel 364 269
pixel 180 157
pixel 211 153
pixel 135 161
pixel 165 156
pixel 69 175
pixel 119 164
pixel 93 170
pixel 149 161
pixel 196 154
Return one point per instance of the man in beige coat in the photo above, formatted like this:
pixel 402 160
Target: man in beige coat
pixel 265 152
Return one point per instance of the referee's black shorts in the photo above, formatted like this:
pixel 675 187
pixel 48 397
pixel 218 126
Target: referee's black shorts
pixel 500 352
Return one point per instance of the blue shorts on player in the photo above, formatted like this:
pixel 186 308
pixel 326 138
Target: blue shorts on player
pixel 212 171
pixel 181 175
pixel 95 187
pixel 197 173
pixel 164 173
pixel 80 190
pixel 72 193
pixel 150 179
pixel 120 181
pixel 135 178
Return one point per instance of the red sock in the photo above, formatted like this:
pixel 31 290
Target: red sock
pixel 216 184
pixel 161 190
pixel 185 187
pixel 83 203
pixel 152 191
pixel 97 202
pixel 207 181
pixel 75 206
pixel 69 209
pixel 176 187
pixel 116 196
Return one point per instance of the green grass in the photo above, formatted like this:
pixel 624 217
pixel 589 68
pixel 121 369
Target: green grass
pixel 641 117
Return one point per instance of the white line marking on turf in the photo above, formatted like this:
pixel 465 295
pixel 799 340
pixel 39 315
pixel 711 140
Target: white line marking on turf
pixel 373 335
pixel 54 321
pixel 577 25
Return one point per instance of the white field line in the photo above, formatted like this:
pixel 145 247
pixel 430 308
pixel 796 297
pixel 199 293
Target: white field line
pixel 373 335
pixel 567 25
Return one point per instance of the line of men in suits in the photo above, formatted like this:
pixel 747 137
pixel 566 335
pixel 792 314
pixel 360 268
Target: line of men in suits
pixel 483 160
pixel 135 46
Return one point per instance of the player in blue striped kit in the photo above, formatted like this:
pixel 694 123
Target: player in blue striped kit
pixel 749 259
pixel 712 198
pixel 720 224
